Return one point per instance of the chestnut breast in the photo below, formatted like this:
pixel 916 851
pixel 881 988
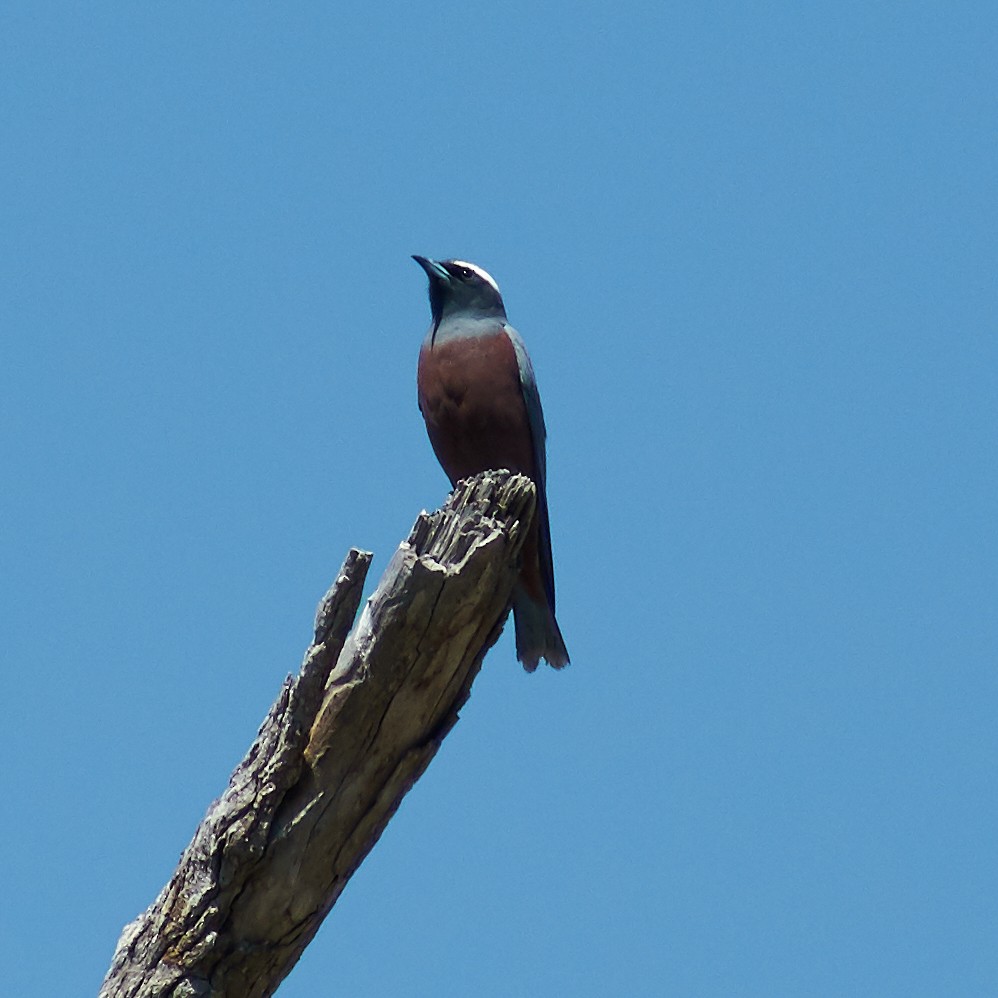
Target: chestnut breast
pixel 472 402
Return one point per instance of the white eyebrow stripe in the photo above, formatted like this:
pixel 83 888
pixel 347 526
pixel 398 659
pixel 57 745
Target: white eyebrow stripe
pixel 478 270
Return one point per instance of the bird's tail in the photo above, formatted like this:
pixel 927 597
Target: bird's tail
pixel 537 633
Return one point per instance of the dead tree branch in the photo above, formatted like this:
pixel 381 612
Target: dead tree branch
pixel 342 745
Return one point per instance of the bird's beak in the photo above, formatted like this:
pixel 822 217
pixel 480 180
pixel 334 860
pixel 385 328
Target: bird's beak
pixel 432 268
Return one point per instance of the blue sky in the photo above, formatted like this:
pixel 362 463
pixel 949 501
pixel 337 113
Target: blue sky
pixel 752 251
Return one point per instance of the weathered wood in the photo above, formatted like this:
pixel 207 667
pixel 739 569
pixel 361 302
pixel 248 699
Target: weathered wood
pixel 342 745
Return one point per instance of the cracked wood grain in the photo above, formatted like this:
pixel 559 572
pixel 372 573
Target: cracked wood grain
pixel 343 743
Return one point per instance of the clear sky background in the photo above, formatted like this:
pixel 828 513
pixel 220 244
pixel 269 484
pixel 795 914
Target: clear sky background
pixel 752 250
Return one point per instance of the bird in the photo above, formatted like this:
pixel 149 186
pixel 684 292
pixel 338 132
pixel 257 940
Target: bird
pixel 478 396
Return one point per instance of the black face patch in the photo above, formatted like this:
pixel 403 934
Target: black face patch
pixel 461 272
pixel 469 274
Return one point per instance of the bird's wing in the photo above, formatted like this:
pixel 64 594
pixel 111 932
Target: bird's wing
pixel 538 436
pixel 532 399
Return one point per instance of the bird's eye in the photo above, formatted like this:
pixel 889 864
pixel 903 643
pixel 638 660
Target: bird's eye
pixel 465 274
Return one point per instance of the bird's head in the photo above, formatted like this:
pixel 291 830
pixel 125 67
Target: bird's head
pixel 458 288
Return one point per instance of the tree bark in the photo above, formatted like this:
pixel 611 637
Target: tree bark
pixel 342 745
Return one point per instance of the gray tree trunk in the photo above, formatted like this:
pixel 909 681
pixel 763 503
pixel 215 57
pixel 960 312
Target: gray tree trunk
pixel 342 745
